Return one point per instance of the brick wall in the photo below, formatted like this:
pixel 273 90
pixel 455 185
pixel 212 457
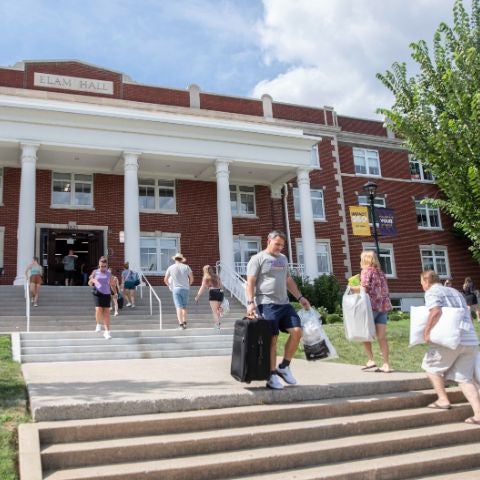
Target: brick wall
pixel 222 103
pixel 357 125
pixel 11 78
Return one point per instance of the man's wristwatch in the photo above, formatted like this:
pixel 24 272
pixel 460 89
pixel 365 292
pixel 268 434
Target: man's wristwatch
pixel 250 302
pixel 300 297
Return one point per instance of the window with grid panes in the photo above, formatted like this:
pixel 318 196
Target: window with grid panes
pixel 156 253
pixel 318 207
pixel 242 200
pixel 387 259
pixel 72 189
pixel 436 259
pixel 156 194
pixel 323 256
pixel 419 172
pixel 366 162
pixel 427 217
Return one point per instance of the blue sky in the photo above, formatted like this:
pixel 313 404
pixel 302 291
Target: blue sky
pixel 312 52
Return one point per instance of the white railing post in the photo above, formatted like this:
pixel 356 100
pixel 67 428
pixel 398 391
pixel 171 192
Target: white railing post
pixel 27 297
pixel 233 281
pixel 152 292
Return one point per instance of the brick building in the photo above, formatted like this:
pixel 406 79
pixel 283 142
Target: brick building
pixel 93 161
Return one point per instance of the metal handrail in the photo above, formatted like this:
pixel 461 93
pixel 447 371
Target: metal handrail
pixel 233 282
pixel 151 292
pixel 296 269
pixel 26 286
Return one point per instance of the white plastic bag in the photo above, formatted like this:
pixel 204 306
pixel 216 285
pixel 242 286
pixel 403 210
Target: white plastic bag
pixel 224 307
pixel 358 316
pixel 313 332
pixel 477 369
pixel 446 332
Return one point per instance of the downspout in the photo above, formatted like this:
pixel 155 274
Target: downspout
pixel 287 222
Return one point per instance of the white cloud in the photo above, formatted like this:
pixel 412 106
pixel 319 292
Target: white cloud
pixel 332 50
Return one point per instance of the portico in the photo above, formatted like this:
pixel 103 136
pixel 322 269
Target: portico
pixel 84 136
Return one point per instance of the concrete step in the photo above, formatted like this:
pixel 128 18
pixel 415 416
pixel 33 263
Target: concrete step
pixel 463 475
pixel 246 416
pixel 391 446
pixel 154 447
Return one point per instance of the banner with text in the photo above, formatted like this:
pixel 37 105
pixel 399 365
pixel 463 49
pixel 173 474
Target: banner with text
pixel 386 222
pixel 360 222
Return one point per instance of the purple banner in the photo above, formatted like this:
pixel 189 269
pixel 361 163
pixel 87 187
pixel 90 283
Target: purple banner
pixel 386 222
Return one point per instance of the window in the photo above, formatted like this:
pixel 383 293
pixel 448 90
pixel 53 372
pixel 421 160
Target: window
pixel 317 204
pixel 419 172
pixel 377 201
pixel 72 189
pixel 435 258
pixel 323 256
pixel 156 194
pixel 242 200
pixel 427 217
pixel 1 185
pixel 366 162
pixel 243 249
pixel 156 252
pixel 387 259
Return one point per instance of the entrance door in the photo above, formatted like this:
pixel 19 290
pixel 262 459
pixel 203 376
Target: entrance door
pixel 56 243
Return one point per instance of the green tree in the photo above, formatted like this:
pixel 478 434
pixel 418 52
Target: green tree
pixel 437 112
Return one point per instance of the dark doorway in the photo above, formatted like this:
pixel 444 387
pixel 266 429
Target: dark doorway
pixel 56 243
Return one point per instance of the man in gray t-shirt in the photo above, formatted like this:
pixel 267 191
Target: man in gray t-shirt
pixel 268 280
pixel 441 362
pixel 178 278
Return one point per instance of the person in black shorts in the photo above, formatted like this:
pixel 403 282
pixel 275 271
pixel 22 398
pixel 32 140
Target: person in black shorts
pixel 212 281
pixel 268 279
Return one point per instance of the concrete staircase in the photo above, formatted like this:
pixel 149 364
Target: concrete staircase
pixel 61 328
pixel 71 308
pixel 386 436
pixel 80 346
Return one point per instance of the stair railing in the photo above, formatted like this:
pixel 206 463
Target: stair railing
pixel 233 282
pixel 152 293
pixel 26 286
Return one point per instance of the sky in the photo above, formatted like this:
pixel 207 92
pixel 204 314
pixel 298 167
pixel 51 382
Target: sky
pixel 309 52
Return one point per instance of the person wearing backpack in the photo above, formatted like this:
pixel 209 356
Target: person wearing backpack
pixel 130 280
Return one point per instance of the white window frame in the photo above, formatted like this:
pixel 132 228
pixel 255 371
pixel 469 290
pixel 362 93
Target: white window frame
pixel 238 195
pixel 379 202
pixel 391 255
pixel 434 249
pixel 243 240
pixel 421 169
pixel 159 236
pixel 361 158
pixel 156 188
pixel 313 192
pixel 319 242
pixel 2 173
pixel 428 211
pixel 71 204
pixel 2 246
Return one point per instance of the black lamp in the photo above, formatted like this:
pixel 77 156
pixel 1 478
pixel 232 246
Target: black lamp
pixel 371 188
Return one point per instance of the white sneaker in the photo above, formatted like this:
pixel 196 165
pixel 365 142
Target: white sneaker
pixel 115 314
pixel 35 304
pixel 98 328
pixel 287 376
pixel 274 382
pixel 128 304
pixel 107 335
pixel 132 305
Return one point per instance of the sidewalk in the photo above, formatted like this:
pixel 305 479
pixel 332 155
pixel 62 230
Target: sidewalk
pixel 75 390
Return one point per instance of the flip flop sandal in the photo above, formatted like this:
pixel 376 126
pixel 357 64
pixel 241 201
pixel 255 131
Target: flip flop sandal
pixel 472 421
pixel 436 406
pixel 368 367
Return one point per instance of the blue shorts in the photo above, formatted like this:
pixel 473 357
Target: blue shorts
pixel 380 318
pixel 180 297
pixel 281 317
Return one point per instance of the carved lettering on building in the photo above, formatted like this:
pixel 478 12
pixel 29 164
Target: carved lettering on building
pixel 73 83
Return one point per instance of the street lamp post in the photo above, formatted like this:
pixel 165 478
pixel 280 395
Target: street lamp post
pixel 371 188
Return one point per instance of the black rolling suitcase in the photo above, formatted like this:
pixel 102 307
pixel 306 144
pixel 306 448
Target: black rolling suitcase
pixel 251 350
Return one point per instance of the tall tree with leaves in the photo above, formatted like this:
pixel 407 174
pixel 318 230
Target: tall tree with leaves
pixel 437 112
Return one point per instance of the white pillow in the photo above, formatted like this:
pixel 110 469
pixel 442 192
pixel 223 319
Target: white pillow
pixel 446 332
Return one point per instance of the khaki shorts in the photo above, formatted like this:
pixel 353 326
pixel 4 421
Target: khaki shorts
pixel 457 365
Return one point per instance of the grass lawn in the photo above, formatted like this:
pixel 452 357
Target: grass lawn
pixel 12 410
pixel 402 357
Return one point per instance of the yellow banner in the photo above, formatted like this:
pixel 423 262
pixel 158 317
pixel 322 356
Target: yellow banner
pixel 360 223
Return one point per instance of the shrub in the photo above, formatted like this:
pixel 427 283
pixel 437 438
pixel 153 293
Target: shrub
pixel 395 316
pixel 333 318
pixel 323 292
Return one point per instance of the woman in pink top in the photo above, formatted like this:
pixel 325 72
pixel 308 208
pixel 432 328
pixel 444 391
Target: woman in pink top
pixel 373 280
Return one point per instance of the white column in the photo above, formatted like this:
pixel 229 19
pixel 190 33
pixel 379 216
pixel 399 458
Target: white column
pixel 26 211
pixel 307 224
pixel 131 210
pixel 225 227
